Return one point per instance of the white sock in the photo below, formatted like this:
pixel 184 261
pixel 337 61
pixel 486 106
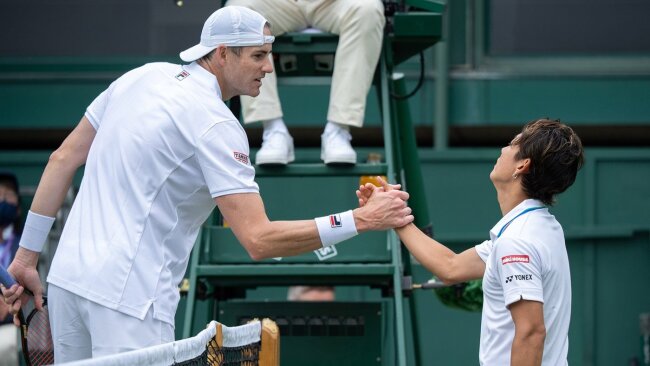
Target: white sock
pixel 274 125
pixel 333 126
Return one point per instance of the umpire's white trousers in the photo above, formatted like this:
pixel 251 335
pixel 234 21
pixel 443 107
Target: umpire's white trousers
pixel 83 329
pixel 359 24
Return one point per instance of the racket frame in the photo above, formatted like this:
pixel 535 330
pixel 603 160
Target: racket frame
pixel 7 280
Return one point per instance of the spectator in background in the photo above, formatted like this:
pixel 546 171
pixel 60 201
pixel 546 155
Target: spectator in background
pixel 10 227
pixel 311 293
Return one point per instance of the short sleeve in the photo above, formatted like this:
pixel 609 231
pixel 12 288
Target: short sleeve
pixel 484 249
pixel 520 269
pixel 95 111
pixel 222 153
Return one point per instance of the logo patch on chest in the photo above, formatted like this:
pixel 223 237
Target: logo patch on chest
pixel 183 74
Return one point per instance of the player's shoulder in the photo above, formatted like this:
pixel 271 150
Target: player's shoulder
pixel 160 66
pixel 152 69
pixel 521 242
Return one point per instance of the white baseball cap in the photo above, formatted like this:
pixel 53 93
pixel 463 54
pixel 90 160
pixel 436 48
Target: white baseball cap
pixel 229 26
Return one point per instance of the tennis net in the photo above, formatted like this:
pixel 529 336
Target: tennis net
pixel 252 344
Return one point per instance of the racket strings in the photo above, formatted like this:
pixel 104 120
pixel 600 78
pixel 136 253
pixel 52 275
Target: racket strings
pixel 40 349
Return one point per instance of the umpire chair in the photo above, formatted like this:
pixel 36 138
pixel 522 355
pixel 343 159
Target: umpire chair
pixel 220 270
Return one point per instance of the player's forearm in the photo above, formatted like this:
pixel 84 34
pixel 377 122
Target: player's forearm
pixel 51 191
pixel 435 257
pixel 55 182
pixel 61 167
pixel 283 239
pixel 527 349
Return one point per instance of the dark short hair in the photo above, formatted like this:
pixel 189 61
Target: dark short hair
pixel 235 49
pixel 556 154
pixel 208 55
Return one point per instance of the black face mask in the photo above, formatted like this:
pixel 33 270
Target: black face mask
pixel 8 212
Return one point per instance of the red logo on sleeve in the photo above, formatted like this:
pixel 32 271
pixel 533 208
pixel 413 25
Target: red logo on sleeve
pixel 241 157
pixel 515 258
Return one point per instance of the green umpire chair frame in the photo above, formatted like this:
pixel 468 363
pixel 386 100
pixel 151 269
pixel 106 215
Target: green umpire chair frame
pixel 220 265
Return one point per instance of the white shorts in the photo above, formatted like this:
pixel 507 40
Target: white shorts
pixel 83 329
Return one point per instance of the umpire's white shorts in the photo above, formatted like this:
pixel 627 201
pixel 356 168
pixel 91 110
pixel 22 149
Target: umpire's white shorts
pixel 83 329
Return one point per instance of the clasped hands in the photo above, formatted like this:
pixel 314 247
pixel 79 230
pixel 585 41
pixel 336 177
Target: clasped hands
pixel 383 207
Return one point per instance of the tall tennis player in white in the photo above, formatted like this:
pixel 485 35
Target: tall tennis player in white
pixel 161 150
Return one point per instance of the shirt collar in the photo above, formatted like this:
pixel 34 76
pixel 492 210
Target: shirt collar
pixel 204 77
pixel 524 205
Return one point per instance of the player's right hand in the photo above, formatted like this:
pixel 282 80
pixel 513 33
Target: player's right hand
pixel 23 269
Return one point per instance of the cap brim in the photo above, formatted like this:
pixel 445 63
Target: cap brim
pixel 195 53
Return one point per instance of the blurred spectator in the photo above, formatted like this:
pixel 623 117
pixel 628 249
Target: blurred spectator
pixel 311 293
pixel 10 228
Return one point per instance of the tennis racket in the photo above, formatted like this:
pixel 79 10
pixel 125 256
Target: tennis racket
pixel 36 336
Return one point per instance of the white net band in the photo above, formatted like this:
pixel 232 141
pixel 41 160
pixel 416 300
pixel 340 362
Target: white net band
pixel 241 335
pixel 179 351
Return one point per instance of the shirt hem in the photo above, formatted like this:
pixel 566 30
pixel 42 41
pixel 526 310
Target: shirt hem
pixel 514 297
pixel 136 312
pixel 234 191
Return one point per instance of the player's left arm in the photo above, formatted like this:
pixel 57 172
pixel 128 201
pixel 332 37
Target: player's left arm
pixel 530 332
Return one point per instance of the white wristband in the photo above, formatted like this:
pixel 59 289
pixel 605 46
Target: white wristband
pixel 335 228
pixel 37 227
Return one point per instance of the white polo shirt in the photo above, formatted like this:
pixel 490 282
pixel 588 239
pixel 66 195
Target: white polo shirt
pixel 166 145
pixel 527 261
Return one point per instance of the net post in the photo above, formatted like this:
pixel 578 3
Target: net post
pixel 270 348
pixel 218 335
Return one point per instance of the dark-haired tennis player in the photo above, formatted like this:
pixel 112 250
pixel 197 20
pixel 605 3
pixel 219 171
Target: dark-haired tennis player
pixel 524 265
pixel 160 149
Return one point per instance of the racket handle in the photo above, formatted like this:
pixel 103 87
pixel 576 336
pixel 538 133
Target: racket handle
pixel 5 278
pixel 429 285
